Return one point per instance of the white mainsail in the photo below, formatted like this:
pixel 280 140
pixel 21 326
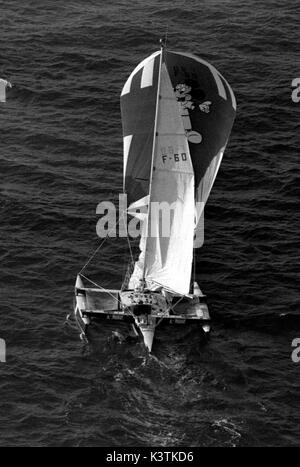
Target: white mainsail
pixel 167 244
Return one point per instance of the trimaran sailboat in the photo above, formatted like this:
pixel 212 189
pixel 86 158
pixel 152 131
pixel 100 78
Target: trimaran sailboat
pixel 177 114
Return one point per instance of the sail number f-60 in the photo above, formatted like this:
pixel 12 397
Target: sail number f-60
pixel 176 157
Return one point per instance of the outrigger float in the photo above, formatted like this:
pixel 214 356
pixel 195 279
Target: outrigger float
pixel 177 114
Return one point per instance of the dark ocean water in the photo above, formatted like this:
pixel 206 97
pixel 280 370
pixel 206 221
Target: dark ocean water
pixel 61 154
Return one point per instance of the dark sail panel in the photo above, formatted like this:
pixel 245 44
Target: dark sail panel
pixel 207 105
pixel 138 107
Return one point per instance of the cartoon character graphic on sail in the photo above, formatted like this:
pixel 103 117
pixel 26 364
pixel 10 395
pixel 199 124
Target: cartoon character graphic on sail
pixel 186 104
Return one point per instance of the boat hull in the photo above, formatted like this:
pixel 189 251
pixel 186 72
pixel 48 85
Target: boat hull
pixel 144 309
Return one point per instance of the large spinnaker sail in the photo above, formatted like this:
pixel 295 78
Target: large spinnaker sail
pixel 173 147
pixel 208 109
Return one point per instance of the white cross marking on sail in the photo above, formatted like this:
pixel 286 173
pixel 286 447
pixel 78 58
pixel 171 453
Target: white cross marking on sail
pixel 147 75
pixel 231 92
pixel 127 86
pixel 126 147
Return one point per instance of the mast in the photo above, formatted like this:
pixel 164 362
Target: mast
pixel 153 153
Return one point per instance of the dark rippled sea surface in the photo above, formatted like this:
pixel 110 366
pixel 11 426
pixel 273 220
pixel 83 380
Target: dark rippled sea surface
pixel 61 154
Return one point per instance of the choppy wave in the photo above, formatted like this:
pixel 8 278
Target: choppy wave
pixel 61 154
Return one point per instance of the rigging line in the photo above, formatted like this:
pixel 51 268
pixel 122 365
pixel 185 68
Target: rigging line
pixel 92 256
pixel 102 288
pixel 99 246
pixel 178 301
